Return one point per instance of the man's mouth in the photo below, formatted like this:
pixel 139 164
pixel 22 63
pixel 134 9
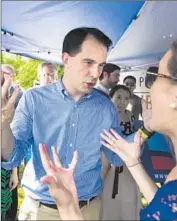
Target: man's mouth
pixel 90 85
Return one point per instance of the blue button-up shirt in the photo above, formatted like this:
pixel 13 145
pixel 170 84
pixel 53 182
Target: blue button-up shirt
pixel 50 116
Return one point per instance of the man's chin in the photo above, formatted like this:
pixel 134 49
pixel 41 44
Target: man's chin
pixel 87 90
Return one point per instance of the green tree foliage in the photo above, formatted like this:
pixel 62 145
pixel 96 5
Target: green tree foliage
pixel 25 69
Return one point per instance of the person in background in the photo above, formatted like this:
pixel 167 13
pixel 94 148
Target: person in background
pixel 47 73
pixel 8 74
pixel 134 105
pixel 9 178
pixel 162 202
pixel 108 78
pixel 121 198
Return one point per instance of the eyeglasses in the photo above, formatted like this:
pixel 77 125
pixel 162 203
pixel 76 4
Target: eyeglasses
pixel 151 78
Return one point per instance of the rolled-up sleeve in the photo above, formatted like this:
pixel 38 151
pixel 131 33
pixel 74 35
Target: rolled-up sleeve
pixel 22 131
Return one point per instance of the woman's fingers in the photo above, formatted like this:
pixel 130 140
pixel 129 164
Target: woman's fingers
pixel 117 136
pixel 44 157
pixel 55 157
pixel 50 181
pixel 107 137
pixel 73 163
pixel 137 139
pixel 113 148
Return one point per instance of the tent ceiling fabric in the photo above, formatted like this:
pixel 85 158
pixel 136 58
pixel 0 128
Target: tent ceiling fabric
pixel 37 28
pixel 149 36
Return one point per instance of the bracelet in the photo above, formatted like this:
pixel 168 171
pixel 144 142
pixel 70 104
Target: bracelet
pixel 145 133
pixel 145 136
pixel 139 162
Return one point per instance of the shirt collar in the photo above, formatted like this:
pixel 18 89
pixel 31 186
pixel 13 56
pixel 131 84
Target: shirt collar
pixel 102 88
pixel 64 92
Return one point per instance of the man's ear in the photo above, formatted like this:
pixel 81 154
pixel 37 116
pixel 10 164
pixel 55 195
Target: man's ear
pixel 65 58
pixel 105 75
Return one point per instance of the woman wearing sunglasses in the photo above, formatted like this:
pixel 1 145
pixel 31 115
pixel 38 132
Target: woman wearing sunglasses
pixel 163 201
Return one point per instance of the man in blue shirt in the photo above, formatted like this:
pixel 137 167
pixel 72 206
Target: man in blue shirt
pixel 69 115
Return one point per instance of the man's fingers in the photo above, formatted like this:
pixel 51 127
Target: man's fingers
pixel 55 157
pixel 73 163
pixel 44 157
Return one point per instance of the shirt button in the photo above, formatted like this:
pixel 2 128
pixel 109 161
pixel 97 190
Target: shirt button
pixel 73 125
pixel 71 145
pixel 75 105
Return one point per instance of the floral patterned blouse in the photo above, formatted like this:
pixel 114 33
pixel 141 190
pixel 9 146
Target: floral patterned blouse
pixel 164 204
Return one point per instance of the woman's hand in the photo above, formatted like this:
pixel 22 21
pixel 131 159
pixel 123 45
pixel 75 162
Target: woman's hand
pixel 129 152
pixel 61 182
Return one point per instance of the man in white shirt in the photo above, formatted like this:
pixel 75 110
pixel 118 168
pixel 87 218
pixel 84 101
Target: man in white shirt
pixel 109 78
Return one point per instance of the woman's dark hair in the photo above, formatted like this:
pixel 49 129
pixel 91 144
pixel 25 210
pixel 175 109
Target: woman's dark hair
pixel 118 87
pixel 72 43
pixel 172 63
pixel 130 77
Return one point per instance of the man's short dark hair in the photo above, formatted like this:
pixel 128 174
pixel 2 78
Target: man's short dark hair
pixel 72 43
pixel 109 68
pixel 129 77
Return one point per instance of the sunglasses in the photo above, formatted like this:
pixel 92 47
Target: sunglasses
pixel 151 78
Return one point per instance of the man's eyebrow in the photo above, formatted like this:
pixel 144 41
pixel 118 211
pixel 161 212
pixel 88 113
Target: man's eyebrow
pixel 93 61
pixel 89 59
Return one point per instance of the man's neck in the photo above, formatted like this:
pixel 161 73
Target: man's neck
pixel 105 85
pixel 72 92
